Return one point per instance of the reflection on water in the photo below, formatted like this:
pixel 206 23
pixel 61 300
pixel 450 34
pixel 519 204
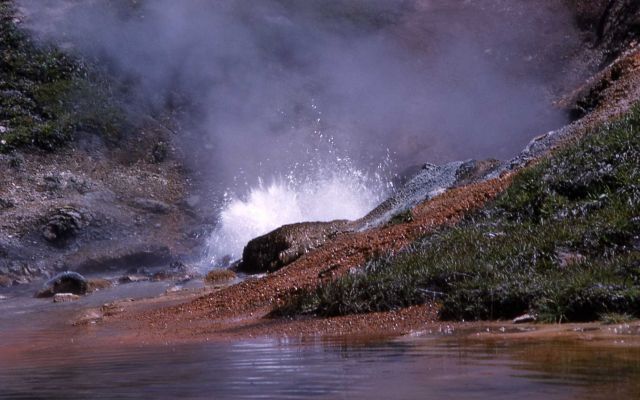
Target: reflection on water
pixel 41 359
pixel 424 368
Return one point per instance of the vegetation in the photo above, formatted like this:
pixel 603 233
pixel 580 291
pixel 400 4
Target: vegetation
pixel 562 242
pixel 46 96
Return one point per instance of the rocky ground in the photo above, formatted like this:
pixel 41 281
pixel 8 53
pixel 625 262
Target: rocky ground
pixel 84 209
pixel 84 185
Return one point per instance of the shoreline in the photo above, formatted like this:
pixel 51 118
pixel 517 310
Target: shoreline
pixel 131 325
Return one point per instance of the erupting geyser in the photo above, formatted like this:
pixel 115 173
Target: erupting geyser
pixel 336 190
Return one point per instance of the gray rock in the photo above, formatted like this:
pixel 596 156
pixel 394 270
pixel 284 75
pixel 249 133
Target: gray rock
pixel 428 182
pixel 154 206
pixel 64 282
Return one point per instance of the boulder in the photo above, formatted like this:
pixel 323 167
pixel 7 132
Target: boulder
pixel 64 282
pixel 272 251
pixel 64 223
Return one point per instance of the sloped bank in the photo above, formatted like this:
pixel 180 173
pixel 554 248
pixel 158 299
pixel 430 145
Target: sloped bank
pixel 562 242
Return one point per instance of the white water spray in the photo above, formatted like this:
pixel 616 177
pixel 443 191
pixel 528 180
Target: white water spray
pixel 330 192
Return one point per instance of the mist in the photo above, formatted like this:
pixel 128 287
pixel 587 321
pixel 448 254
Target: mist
pixel 280 102
pixel 272 83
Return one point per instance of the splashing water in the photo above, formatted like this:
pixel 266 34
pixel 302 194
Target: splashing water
pixel 329 193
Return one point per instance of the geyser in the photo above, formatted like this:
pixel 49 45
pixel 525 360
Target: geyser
pixel 335 190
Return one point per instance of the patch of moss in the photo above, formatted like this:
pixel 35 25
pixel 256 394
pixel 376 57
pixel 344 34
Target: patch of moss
pixel 563 242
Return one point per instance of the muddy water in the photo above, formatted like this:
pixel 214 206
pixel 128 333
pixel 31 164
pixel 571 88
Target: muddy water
pixel 438 369
pixel 49 363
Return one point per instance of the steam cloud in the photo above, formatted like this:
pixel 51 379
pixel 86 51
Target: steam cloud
pixel 267 82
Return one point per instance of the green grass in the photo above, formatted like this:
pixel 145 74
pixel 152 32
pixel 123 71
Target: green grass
pixel 46 96
pixel 563 242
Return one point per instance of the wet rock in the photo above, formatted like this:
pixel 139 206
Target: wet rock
pixel 65 282
pixel 276 249
pixel 3 298
pixel 153 206
pixel 63 224
pixel 286 244
pixel 523 319
pixel 619 25
pixel 65 297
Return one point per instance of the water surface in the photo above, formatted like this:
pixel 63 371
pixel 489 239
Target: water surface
pixel 40 359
